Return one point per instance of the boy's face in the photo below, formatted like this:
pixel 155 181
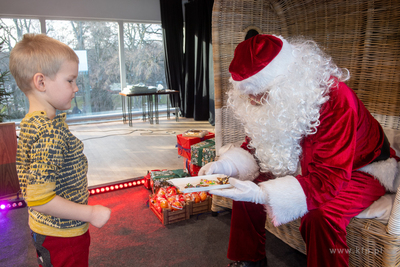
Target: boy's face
pixel 62 88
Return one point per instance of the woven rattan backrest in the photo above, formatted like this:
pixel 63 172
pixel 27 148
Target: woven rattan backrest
pixel 362 36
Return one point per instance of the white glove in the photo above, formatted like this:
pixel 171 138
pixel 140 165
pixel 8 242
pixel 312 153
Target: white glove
pixel 222 166
pixel 242 191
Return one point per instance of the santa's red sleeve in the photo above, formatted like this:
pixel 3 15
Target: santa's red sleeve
pixel 347 138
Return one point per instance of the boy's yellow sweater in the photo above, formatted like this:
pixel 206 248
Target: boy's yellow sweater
pixel 50 161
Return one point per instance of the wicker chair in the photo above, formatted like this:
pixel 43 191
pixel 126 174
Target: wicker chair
pixel 363 36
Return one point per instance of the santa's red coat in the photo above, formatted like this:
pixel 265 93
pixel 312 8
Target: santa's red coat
pixel 337 181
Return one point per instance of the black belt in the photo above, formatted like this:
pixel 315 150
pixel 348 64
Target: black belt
pixel 385 150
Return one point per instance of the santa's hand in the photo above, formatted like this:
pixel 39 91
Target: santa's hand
pixel 222 166
pixel 242 191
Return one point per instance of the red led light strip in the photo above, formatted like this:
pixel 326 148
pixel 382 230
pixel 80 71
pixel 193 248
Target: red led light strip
pixel 12 204
pixel 98 189
pixel 104 188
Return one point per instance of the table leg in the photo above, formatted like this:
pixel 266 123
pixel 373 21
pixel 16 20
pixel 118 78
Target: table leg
pixel 130 110
pixel 150 108
pixel 156 108
pixel 143 108
pixel 168 104
pixel 123 109
pixel 176 114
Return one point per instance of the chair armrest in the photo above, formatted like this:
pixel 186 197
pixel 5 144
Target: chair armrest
pixel 393 226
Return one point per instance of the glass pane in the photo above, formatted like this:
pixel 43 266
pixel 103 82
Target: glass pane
pixel 11 31
pixel 144 59
pixel 96 44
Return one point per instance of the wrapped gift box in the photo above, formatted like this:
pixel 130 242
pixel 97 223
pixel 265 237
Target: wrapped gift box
pixel 192 169
pixel 159 178
pixel 203 152
pixel 185 142
pixel 148 181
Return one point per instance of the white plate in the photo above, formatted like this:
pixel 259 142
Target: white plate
pixel 180 183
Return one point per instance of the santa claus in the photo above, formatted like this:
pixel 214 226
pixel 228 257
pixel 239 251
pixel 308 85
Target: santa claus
pixel 312 151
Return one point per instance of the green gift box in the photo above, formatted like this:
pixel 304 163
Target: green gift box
pixel 208 155
pixel 159 178
pixel 203 152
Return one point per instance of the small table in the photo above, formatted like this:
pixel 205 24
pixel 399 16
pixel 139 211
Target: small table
pixel 150 112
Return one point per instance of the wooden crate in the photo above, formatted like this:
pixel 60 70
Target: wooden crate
pixel 221 203
pixel 201 207
pixel 168 216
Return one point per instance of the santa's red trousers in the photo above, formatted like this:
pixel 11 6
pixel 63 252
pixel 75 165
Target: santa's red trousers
pixel 323 229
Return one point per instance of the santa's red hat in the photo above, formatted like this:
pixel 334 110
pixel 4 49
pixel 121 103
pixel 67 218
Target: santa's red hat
pixel 258 61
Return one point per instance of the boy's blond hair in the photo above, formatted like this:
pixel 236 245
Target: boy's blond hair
pixel 38 53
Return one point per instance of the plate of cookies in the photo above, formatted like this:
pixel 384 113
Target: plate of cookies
pixel 201 183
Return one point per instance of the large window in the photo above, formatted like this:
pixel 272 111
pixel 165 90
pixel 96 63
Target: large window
pixel 99 77
pixel 97 45
pixel 144 58
pixel 11 31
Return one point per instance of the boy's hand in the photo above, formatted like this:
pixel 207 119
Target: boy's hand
pixel 99 216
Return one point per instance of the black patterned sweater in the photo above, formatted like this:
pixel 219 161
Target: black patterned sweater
pixel 50 162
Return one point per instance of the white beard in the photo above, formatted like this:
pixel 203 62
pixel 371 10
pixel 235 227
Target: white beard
pixel 277 128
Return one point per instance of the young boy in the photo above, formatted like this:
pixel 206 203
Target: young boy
pixel 51 165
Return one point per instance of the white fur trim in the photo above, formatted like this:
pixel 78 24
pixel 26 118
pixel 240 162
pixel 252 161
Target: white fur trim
pixel 259 82
pixel 226 147
pixel 244 162
pixel 286 199
pixel 380 209
pixel 386 172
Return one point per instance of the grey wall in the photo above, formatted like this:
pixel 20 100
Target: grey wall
pixel 126 10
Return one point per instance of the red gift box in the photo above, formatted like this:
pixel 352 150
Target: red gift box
pixel 148 183
pixel 191 168
pixel 184 143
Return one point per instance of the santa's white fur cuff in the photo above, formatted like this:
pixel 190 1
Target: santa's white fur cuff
pixel 244 162
pixel 386 172
pixel 286 199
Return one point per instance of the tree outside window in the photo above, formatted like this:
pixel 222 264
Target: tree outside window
pixel 11 31
pixel 100 84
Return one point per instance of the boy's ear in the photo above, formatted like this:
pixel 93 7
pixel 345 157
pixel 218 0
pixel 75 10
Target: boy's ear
pixel 39 82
